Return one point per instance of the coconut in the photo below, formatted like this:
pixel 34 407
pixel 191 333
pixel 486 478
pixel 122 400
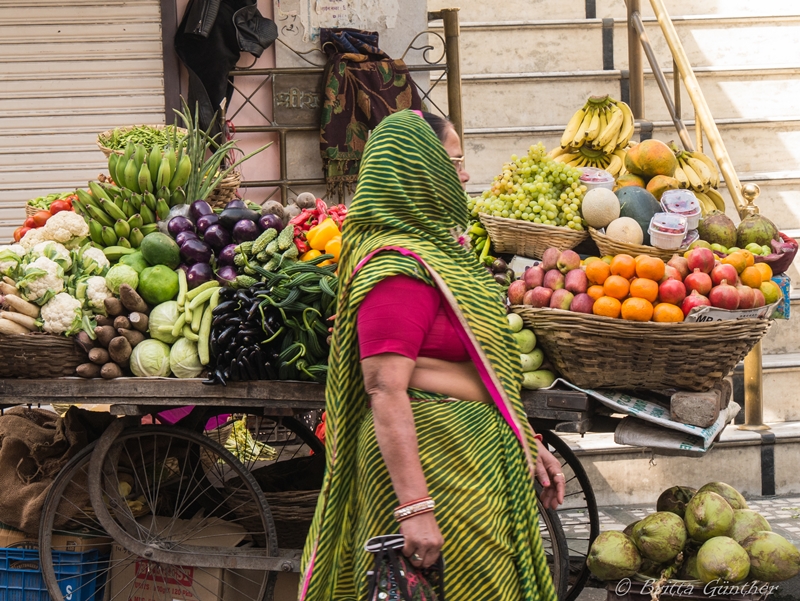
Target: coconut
pixel 758 229
pixel 717 228
pixel 613 556
pixel 722 558
pixel 708 515
pixel 727 492
pixel 651 568
pixel 688 570
pixel 747 522
pixel 772 557
pixel 675 499
pixel 660 536
pixel 629 528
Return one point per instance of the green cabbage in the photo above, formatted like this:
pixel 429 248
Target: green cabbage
pixel 184 360
pixel 150 358
pixel 121 274
pixel 162 319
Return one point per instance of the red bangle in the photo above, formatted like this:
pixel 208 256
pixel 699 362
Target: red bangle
pixel 538 437
pixel 413 502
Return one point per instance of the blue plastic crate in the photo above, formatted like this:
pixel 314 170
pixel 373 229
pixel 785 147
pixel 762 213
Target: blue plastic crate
pixel 21 579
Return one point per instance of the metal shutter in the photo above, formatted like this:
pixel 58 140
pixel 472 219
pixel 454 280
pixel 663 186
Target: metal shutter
pixel 69 70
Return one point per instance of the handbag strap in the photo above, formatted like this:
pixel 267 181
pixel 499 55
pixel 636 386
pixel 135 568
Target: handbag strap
pixel 402 583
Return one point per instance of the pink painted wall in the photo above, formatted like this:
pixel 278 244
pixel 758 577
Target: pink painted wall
pixel 267 164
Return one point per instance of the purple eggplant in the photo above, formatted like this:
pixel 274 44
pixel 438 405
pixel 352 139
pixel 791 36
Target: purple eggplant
pixel 230 217
pixel 179 224
pixel 196 251
pixel 245 230
pixel 205 222
pixel 184 236
pixel 270 221
pixel 226 274
pixel 226 255
pixel 199 273
pixel 199 208
pixel 236 204
pixel 217 237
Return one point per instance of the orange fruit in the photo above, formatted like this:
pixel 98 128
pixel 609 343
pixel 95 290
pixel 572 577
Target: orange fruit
pixel 595 291
pixel 607 307
pixel 624 265
pixel 766 271
pixel 751 276
pixel 749 258
pixel 644 288
pixel 667 313
pixel 651 268
pixel 637 309
pixel 597 272
pixel 616 286
pixel 737 259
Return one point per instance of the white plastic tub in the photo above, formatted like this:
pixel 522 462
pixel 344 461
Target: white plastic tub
pixel 667 231
pixel 682 202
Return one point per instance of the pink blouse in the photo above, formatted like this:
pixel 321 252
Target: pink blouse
pixel 405 316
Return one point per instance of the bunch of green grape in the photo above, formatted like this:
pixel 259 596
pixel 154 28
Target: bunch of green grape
pixel 534 188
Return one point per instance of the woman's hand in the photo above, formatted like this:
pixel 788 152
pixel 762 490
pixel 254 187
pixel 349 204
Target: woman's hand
pixel 549 475
pixel 423 539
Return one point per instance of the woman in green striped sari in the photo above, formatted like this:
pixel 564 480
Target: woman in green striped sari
pixel 431 443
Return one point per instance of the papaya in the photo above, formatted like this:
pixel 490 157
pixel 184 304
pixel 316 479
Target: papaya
pixel 629 179
pixel 640 205
pixel 660 184
pixel 651 158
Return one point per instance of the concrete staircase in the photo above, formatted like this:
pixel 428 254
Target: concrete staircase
pixel 527 65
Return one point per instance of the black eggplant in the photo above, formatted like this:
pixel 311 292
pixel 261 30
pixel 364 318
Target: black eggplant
pixel 229 217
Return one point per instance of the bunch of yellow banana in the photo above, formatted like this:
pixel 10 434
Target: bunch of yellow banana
pixel 602 124
pixel 698 173
pixel 585 156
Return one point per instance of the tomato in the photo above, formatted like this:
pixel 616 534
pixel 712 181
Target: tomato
pixel 20 232
pixel 29 223
pixel 41 217
pixel 59 205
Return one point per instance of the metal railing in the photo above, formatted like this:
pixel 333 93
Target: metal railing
pixel 743 196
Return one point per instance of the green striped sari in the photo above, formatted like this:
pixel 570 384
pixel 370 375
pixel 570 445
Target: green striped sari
pixel 478 458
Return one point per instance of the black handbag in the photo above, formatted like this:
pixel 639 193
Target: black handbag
pixel 395 578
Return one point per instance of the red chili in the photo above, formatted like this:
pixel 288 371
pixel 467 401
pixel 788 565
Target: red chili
pixel 301 245
pixel 322 209
pixel 303 216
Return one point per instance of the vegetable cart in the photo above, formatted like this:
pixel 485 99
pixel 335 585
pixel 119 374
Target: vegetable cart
pixel 229 517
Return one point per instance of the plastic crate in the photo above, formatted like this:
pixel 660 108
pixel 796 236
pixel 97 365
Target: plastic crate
pixel 78 573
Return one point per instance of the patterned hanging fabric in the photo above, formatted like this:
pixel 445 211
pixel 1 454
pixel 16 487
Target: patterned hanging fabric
pixel 407 215
pixel 362 86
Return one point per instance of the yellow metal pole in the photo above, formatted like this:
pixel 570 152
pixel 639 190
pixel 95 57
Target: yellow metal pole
pixel 753 391
pixel 700 106
pixel 451 38
pixel 635 68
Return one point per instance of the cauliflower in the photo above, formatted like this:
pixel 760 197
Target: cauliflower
pixel 54 251
pixel 10 257
pixel 62 314
pixel 96 293
pixel 96 255
pixel 41 280
pixel 66 227
pixel 33 237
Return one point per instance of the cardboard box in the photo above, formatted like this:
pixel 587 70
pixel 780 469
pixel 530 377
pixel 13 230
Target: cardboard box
pixel 72 541
pixel 137 578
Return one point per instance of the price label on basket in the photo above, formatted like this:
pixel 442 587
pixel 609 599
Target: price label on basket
pixel 706 314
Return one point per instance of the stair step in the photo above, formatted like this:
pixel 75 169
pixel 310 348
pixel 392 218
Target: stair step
pixel 480 10
pixel 518 99
pixel 632 475
pixel 577 44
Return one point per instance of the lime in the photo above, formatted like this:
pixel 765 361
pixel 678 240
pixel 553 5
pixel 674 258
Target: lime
pixel 771 291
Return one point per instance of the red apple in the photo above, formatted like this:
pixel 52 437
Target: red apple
pixel 533 276
pixel 516 292
pixel 538 297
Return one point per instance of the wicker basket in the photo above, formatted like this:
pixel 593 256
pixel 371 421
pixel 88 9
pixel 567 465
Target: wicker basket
pixel 107 151
pixel 292 512
pixel 515 236
pixel 39 355
pixel 30 211
pixel 600 352
pixel 225 191
pixel 607 246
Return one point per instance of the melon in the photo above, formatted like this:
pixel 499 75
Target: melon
pixel 651 158
pixel 625 230
pixel 639 205
pixel 600 207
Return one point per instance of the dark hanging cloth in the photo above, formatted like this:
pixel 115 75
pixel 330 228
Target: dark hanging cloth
pixel 209 40
pixel 362 86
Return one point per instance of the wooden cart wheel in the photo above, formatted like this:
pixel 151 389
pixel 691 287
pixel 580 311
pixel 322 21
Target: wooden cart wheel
pixel 173 474
pixel 578 515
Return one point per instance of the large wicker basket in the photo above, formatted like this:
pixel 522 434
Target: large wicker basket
pixel 600 352
pixel 107 151
pixel 607 246
pixel 39 355
pixel 292 512
pixel 225 191
pixel 515 236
